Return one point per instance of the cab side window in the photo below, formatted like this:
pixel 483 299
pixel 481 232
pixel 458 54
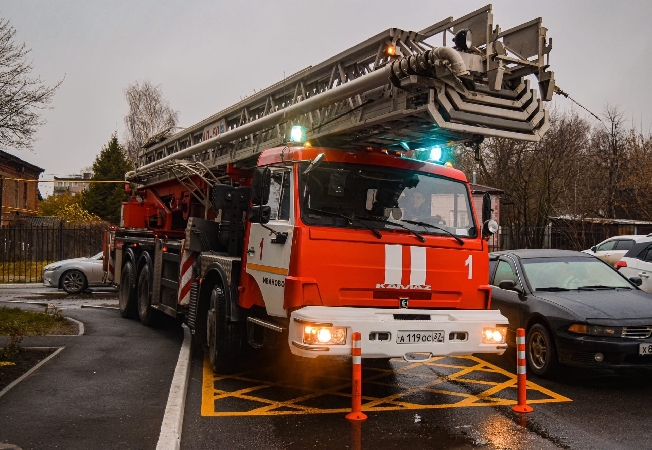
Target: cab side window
pixel 279 194
pixel 504 272
pixel 609 245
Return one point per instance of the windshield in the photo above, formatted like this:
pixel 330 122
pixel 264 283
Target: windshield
pixel 332 194
pixel 579 273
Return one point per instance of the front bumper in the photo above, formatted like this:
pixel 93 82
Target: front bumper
pixel 371 321
pixel 49 279
pixel 580 351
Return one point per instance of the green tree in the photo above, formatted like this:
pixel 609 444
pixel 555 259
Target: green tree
pixel 66 207
pixel 104 199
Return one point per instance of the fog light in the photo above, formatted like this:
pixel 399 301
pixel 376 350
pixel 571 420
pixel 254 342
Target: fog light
pixel 599 357
pixel 494 335
pixel 324 335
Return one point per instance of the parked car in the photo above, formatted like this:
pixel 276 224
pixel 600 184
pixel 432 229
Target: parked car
pixel 614 248
pixel 74 275
pixel 637 262
pixel 576 310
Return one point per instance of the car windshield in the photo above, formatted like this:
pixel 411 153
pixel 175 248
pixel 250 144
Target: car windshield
pixel 571 273
pixel 353 195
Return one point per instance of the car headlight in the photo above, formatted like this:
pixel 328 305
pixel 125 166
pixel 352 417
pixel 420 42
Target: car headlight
pixel 596 330
pixel 324 335
pixel 50 269
pixel 494 335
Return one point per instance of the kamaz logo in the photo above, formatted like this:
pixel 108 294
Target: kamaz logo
pixel 273 282
pixel 415 287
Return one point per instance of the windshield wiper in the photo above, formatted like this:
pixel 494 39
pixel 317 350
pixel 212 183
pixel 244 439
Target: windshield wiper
pixel 350 219
pixel 425 225
pixel 598 286
pixel 552 289
pixel 382 220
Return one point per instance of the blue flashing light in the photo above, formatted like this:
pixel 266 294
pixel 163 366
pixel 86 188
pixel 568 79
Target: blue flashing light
pixel 298 134
pixel 435 154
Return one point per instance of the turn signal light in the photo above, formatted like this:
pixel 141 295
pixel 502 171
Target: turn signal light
pixel 494 335
pixel 324 335
pixel 620 264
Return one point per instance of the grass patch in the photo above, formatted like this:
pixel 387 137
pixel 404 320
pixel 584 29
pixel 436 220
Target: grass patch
pixel 15 321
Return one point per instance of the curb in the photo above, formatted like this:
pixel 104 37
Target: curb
pixel 80 325
pixel 32 370
pixel 170 437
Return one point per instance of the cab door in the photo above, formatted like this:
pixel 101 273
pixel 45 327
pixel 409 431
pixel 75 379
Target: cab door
pixel 270 244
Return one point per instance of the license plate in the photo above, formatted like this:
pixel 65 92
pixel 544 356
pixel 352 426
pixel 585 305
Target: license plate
pixel 645 349
pixel 419 337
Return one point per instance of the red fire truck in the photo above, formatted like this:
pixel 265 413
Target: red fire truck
pixel 324 205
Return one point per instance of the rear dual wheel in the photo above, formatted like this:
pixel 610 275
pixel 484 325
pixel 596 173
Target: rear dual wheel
pixel 127 294
pixel 146 313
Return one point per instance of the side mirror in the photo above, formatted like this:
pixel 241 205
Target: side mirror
pixel 594 249
pixel 261 185
pixel 313 163
pixel 489 227
pixel 260 214
pixel 486 207
pixel 509 285
pixel 636 280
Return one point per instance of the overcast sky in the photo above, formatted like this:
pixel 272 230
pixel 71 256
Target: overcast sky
pixel 206 55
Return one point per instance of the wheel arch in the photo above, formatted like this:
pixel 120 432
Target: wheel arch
pixel 214 275
pixel 542 320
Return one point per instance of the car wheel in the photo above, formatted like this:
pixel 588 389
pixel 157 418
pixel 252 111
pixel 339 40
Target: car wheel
pixel 127 294
pixel 73 282
pixel 540 351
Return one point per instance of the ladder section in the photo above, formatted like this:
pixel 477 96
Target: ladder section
pixel 395 90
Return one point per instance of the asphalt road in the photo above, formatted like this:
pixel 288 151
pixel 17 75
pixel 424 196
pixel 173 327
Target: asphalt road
pixel 606 411
pixel 106 390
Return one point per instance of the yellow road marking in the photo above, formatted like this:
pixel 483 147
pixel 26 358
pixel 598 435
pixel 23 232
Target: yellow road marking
pixel 433 383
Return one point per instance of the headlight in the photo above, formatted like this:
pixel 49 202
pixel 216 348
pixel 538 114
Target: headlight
pixel 463 39
pixel 50 269
pixel 324 335
pixel 494 335
pixel 596 330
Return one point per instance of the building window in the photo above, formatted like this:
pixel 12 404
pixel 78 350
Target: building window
pixel 16 187
pixel 25 195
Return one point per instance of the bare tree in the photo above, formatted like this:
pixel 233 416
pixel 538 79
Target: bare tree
pixel 149 115
pixel 22 97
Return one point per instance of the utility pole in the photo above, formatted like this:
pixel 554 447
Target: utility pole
pixel 2 191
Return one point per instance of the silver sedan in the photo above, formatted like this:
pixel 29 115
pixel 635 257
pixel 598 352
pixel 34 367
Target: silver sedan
pixel 75 275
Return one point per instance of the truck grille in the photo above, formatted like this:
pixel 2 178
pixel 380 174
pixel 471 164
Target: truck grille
pixel 637 332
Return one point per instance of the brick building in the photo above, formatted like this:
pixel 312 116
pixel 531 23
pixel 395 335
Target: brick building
pixel 74 184
pixel 19 194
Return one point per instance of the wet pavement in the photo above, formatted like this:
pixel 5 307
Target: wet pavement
pixel 106 389
pixel 276 401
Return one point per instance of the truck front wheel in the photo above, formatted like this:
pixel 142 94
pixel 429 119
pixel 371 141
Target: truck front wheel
pixel 127 295
pixel 224 338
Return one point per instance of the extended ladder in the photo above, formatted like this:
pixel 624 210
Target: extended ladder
pixel 396 90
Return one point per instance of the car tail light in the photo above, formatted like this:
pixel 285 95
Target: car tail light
pixel 620 264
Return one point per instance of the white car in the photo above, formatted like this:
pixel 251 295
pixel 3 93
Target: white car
pixel 637 262
pixel 614 248
pixel 74 275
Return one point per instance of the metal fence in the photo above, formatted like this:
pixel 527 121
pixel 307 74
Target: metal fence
pixel 26 249
pixel 557 236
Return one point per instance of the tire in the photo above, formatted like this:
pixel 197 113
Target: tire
pixel 540 351
pixel 74 281
pixel 127 295
pixel 224 338
pixel 146 313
